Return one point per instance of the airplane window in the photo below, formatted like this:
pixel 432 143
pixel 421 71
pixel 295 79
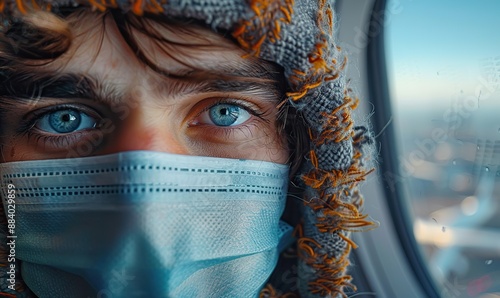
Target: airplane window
pixel 443 66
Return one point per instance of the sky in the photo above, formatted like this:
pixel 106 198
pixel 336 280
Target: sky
pixel 438 49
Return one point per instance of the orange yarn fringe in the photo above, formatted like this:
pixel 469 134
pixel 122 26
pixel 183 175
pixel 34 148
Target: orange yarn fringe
pixel 264 25
pixel 270 292
pixel 337 214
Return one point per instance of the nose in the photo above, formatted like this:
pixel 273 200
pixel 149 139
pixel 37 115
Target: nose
pixel 146 129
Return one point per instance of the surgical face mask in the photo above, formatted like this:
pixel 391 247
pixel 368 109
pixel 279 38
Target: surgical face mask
pixel 147 224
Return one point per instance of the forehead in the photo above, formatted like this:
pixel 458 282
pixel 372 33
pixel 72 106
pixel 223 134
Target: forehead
pixel 100 49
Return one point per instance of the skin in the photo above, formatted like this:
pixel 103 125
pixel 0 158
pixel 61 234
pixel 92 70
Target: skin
pixel 136 108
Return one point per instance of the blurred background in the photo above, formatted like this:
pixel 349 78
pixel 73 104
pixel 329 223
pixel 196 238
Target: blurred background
pixel 443 61
pixel 428 75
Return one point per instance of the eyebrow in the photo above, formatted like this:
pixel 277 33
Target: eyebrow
pixel 38 85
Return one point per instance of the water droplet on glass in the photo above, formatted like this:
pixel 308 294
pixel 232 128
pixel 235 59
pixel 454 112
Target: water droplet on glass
pixel 486 169
pixel 443 229
pixel 488 262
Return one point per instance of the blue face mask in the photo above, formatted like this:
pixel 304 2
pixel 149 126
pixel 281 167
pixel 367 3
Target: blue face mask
pixel 148 224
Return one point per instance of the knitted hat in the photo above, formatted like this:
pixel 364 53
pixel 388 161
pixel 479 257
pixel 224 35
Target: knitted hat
pixel 299 36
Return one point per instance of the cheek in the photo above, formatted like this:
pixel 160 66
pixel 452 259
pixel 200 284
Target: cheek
pixel 17 151
pixel 7 153
pixel 273 148
pixel 266 152
pixel 260 146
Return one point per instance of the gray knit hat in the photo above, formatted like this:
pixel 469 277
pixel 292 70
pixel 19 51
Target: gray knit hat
pixel 299 36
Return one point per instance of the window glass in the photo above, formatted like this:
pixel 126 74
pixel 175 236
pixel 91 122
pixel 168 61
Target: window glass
pixel 444 80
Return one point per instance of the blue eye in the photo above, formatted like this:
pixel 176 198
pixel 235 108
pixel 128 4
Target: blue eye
pixel 225 114
pixel 65 121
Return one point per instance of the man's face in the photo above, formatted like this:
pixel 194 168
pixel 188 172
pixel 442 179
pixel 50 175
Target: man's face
pixel 100 98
